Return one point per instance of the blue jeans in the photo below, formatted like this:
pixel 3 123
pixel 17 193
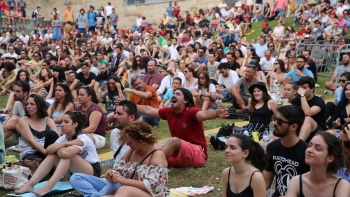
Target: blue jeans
pixel 91 186
pixel 83 30
pixel 149 119
pixel 135 28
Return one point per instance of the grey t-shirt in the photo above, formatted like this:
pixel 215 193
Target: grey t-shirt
pixel 340 70
pixel 113 19
pixel 110 105
pixel 212 68
pixel 243 88
pixel 82 21
pixel 18 109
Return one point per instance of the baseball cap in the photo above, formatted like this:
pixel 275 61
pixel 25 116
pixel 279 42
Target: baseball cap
pixel 237 20
pixel 68 6
pixel 265 25
pixel 333 13
pixel 138 15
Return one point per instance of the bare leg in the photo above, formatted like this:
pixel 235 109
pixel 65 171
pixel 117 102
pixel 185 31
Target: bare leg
pixel 44 168
pixel 308 127
pixel 197 102
pixel 10 102
pixel 131 191
pixel 173 145
pixel 205 103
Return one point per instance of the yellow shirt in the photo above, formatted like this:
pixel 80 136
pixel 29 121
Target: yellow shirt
pixel 68 15
pixel 165 21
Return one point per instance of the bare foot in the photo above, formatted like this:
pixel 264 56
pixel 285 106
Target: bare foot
pixel 42 191
pixel 26 188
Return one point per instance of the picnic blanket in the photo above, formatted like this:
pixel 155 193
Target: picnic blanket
pixel 59 187
pixel 189 191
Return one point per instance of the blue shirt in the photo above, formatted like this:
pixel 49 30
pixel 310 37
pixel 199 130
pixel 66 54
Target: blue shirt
pixel 91 17
pixel 341 173
pixel 295 77
pixel 260 49
pixel 169 10
pixel 201 61
pixel 337 94
pixel 22 4
pixel 12 4
pixel 169 94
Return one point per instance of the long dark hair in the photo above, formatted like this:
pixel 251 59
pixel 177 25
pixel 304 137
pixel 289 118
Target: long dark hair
pixel 207 80
pixel 282 67
pixel 80 119
pixel 134 62
pixel 343 100
pixel 187 96
pixel 110 92
pixel 256 155
pixel 19 73
pixel 91 92
pixel 40 106
pixel 265 97
pixel 61 75
pixel 67 99
pixel 144 62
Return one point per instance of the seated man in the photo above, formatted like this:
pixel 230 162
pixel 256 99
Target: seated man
pixel 21 93
pixel 335 31
pixel 143 95
pixel 267 63
pixel 227 78
pixel 167 80
pixel 86 77
pixel 313 107
pixel 153 77
pixel 240 90
pixel 300 71
pixel 187 147
pixel 338 71
pixel 102 76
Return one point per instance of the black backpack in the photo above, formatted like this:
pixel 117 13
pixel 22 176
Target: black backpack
pixel 33 15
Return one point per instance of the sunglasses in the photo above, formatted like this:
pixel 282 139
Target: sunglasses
pixel 346 143
pixel 290 57
pixel 201 78
pixel 186 71
pixel 276 63
pixel 36 56
pixel 271 46
pixel 342 80
pixel 279 120
pixel 292 45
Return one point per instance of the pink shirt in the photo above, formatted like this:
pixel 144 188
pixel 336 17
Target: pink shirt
pixel 281 4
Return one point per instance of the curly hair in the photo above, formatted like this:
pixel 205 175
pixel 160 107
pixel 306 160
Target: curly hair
pixel 139 131
pixel 80 119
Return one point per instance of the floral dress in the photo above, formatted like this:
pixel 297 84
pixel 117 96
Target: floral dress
pixel 154 177
pixel 276 89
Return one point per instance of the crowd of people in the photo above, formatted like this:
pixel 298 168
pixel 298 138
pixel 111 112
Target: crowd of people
pixel 179 70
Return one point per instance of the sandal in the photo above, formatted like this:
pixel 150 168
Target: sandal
pixel 4 111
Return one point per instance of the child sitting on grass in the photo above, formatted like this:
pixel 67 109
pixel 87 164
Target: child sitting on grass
pixel 166 102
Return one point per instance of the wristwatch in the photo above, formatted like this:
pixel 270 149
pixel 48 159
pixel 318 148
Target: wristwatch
pixel 302 95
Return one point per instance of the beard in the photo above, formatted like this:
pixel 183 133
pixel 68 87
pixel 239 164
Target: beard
pixel 280 134
pixel 300 68
pixel 346 63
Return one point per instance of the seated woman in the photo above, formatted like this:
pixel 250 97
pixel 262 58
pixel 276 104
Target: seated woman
pixel 113 95
pixel 325 157
pixel 191 80
pixel 276 79
pixel 290 91
pixel 96 120
pixel 37 131
pixel 245 169
pixel 73 152
pixel 345 140
pixel 204 94
pixel 341 112
pixel 62 104
pixel 42 87
pixel 141 172
pixel 125 65
pixel 261 108
pixel 7 77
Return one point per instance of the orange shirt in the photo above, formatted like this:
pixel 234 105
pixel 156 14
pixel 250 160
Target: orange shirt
pixel 153 101
pixel 68 15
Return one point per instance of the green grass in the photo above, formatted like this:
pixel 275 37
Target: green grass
pixel 210 174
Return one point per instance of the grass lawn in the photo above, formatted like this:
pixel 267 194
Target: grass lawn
pixel 210 175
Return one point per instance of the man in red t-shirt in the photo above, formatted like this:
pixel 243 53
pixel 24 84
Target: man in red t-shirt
pixel 187 147
pixel 144 95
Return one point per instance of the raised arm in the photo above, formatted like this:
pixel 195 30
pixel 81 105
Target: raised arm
pixel 148 110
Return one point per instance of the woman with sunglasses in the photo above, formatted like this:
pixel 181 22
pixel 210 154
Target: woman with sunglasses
pixel 73 152
pixel 325 156
pixel 96 120
pixel 248 160
pixel 63 103
pixel 191 80
pixel 137 67
pixel 341 113
pixel 77 54
pixel 204 93
pixel 276 78
pixel 291 63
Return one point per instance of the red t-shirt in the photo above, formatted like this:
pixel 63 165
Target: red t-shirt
pixel 185 125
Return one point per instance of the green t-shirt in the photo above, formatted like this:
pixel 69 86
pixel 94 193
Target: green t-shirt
pixel 39 71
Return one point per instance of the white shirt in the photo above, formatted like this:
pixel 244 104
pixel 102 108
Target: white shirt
pixel 47 35
pixel 206 42
pixel 11 55
pixel 24 38
pixel 53 53
pixel 87 151
pixel 108 9
pixel 341 9
pixel 211 88
pixel 266 64
pixel 138 21
pixel 4 40
pixel 114 145
pixel 229 80
pixel 167 82
pixel 174 55
pixel 107 40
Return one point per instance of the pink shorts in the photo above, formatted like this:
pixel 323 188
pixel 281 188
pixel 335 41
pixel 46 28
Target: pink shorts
pixel 190 155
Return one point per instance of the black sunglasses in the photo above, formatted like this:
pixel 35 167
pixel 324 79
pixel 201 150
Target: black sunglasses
pixel 343 80
pixel 279 120
pixel 346 143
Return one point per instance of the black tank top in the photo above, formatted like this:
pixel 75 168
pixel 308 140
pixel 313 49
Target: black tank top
pixel 301 186
pixel 247 192
pixel 262 115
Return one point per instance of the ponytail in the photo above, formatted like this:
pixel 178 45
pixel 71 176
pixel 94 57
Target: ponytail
pixel 258 159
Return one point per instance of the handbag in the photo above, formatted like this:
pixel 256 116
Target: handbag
pixel 31 163
pixel 14 177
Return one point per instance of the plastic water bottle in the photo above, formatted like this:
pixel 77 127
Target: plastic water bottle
pixel 245 132
pixel 337 134
pixel 265 139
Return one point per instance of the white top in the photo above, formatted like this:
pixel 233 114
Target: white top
pixel 87 151
pixel 24 38
pixel 211 88
pixel 167 82
pixel 11 55
pixel 266 64
pixel 47 35
pixel 138 22
pixel 4 40
pixel 114 145
pixel 341 9
pixel 229 80
pixel 108 10
pixel 174 55
pixel 109 40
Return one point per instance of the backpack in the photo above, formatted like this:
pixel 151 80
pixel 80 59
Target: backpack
pixel 33 15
